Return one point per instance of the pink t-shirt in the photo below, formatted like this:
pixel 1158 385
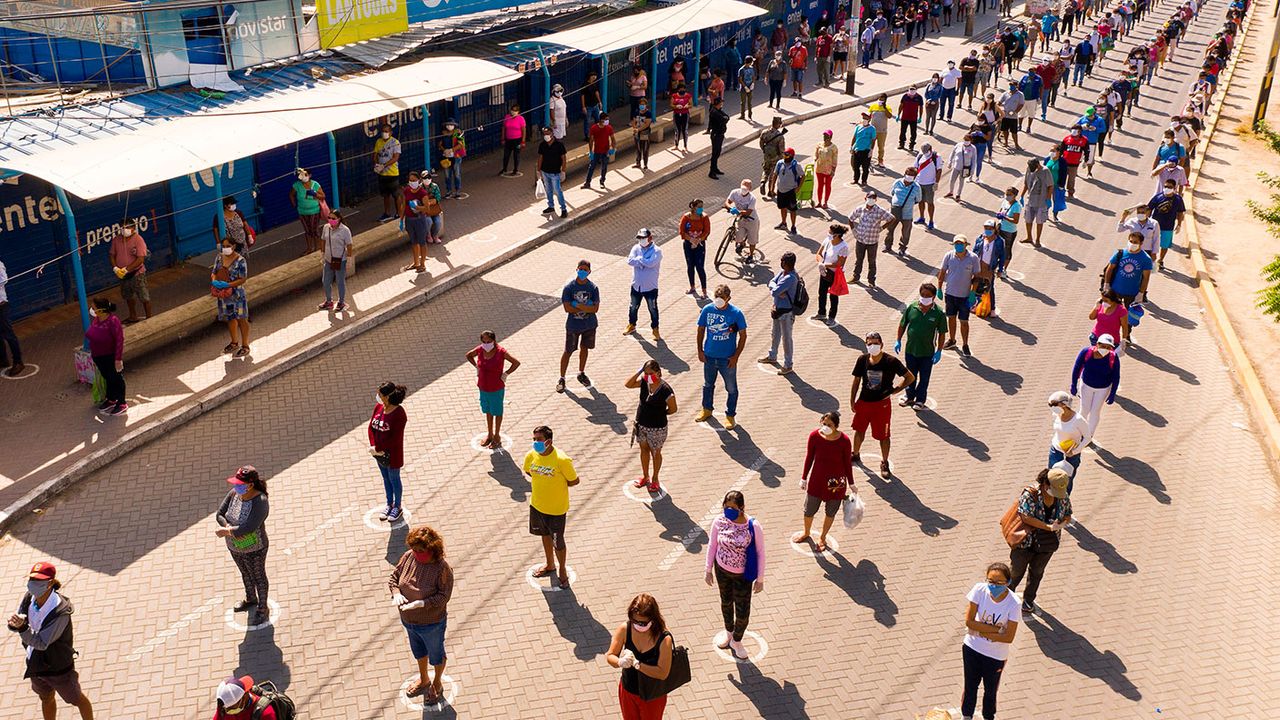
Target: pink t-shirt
pixel 125 250
pixel 1108 323
pixel 728 547
pixel 513 127
pixel 489 369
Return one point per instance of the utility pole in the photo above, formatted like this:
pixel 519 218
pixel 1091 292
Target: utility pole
pixel 1264 95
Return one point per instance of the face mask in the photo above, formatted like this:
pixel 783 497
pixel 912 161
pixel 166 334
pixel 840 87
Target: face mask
pixel 697 211
pixel 448 128
pixel 873 349
pixel 646 242
pixel 643 108
pixel 546 138
pixel 231 207
pixel 237 711
pixel 988 231
pixel 605 122
pixel 826 430
pixel 386 136
pixel 539 446
pixel 240 489
pixel 641 627
pixel 126 232
pixel 1169 190
pixel 926 301
pixel 871 203
pixel 995 589
pixel 414 184
pixel 488 346
pixel 227 250
pixel 1104 351
pixel 1135 247
pixel 959 247
pixel 651 379
pixel 732 514
pixel 1056 411
pixel 967 143
pixel 582 274
pixel 37 587
pixel 908 179
pixel 721 303
pixel 422 557
pixel 334 222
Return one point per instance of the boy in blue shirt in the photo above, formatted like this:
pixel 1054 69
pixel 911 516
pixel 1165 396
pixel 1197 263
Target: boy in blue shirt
pixel 722 334
pixel 581 301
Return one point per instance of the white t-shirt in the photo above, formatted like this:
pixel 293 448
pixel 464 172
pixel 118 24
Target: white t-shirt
pixel 831 254
pixel 559 117
pixel 743 201
pixel 926 168
pixel 994 613
pixel 1074 430
pixel 950 78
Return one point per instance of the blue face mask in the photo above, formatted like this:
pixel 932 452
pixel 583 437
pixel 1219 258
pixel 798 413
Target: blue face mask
pixel 697 211
pixel 240 489
pixel 539 447
pixel 582 274
pixel 959 247
pixel 732 514
pixel 995 589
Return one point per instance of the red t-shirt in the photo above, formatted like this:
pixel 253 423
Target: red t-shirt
pixel 799 57
pixel 1073 151
pixel 268 713
pixel 600 135
pixel 681 102
pixel 1047 75
pixel 909 107
pixel 489 369
pixel 828 460
pixel 410 194
pixel 386 433
pixel 824 45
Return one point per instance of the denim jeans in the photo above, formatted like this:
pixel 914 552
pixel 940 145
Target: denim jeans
pixel 1056 456
pixel 922 368
pixel 589 117
pixel 600 160
pixel 1044 103
pixel 392 485
pixel 650 299
pixel 782 333
pixel 327 276
pixel 453 176
pixel 551 182
pixel 948 106
pixel 719 366
pixel 1078 73
pixel 695 260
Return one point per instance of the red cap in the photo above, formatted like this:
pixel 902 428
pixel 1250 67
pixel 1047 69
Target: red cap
pixel 244 475
pixel 43 571
pixel 789 151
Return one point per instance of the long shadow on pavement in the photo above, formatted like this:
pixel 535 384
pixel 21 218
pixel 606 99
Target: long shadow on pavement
pixel 1147 357
pixel 576 624
pixel 904 500
pixel 263 659
pixel 509 475
pixel 863 583
pixel 677 526
pixel 812 398
pixel 1008 381
pixel 943 428
pixel 1061 643
pixel 1136 472
pixel 1107 554
pixel 1151 417
pixel 739 446
pixel 774 700
pixel 601 410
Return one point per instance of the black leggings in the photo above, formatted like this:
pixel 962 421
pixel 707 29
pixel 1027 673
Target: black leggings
pixel 775 92
pixel 695 260
pixel 511 149
pixel 979 668
pixel 681 121
pixel 253 572
pixel 824 284
pixel 735 601
pixel 114 380
pixel 642 150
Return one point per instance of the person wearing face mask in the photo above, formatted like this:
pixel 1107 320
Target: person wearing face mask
pixel 1075 149
pixel 336 241
pixel 826 158
pixel 1037 198
pixel 306 195
pixel 559 112
pixel 1141 223
pixel 642 133
pixel 735 562
pixel 773 143
pixel 788 176
pixel 1045 510
pixel 581 301
pixel 552 163
pixel 870 397
pixel 128 259
pixel 421 585
pixel 746 85
pixel 551 474
pixel 8 338
pixel 386 165
pixel 1171 172
pixel 925 326
pixel 420 206
pixel 1010 107
pixel 717 126
pixel 43 623
pixel 386 444
pixel 1070 433
pixel 642 648
pixel 1099 368
pixel 956 276
pixel 681 102
pixel 992 252
pixel 452 148
pixel 513 129
pixel 904 196
pixel 1009 214
pixel 722 335
pixel 1093 128
pixel 490 361
pixel 776 75
pixel 991 621
pixel 592 105
pixel 964 158
pixel 742 205
pixel 864 138
pixel 241 521
pixel 784 288
pixel 695 228
pixel 602 149
pixel 238 229
pixel 950 80
pixel 645 260
pixel 637 87
pixel 881 114
pixel 968 77
pixel 657 401
pixel 909 107
pixel 1128 271
pixel 237 700
pixel 928 169
pixel 106 346
pixel 827 477
pixel 230 272
pixel 932 98
pixel 833 254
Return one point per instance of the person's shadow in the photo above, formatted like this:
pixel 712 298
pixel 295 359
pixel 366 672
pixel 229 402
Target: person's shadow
pixel 773 699
pixel 395 542
pixel 1061 643
pixel 1107 554
pixel 1137 472
pixel 863 583
pixel 601 410
pixel 509 475
pixel 263 659
pixel 576 624
pixel 1008 381
pixel 904 500
pixel 677 526
pixel 945 429
pixel 743 450
pixel 811 398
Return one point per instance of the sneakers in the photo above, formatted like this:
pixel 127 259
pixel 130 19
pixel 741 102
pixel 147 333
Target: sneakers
pixel 856 458
pixel 582 378
pixel 560 386
pixel 702 416
pixel 1029 607
pixel 340 307
pixel 722 639
pixel 629 329
pixel 394 515
pixel 793 229
pixel 950 344
pixel 385 512
pixel 919 221
pixel 729 422
pixel 105 404
pixel 564 213
pixel 785 370
pixel 818 316
pixel 549 211
pixel 739 652
pixel 965 351
pixel 904 402
pixel 766 360
pixel 780 226
pixel 918 406
pixel 326 305
pixel 385 218
pixel 884 469
pixel 118 409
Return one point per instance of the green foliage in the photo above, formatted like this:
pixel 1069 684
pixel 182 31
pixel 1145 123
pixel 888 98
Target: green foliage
pixel 1269 297
pixel 1269 214
pixel 1267 135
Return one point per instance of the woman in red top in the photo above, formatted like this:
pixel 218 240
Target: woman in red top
pixel 695 228
pixel 681 101
pixel 386 444
pixel 827 476
pixel 490 361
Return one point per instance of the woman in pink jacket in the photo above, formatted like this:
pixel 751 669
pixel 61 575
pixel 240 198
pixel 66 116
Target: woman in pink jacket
pixel 512 140
pixel 735 562
pixel 106 346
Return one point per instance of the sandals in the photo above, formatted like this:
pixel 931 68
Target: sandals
pixel 564 581
pixel 642 482
pixel 544 572
pixel 230 348
pixel 242 352
pixel 416 688
pixel 821 546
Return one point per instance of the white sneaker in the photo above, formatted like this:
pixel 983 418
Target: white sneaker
pixel 722 639
pixel 739 652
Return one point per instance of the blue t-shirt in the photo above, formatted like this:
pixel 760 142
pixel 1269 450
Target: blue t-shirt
pixel 1011 209
pixel 1127 279
pixel 584 294
pixel 864 136
pixel 1165 209
pixel 721 338
pixel 1165 153
pixel 1097 123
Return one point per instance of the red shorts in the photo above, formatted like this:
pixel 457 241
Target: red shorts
pixel 633 708
pixel 873 414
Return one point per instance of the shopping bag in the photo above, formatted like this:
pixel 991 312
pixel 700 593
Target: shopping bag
pixel 325 210
pixel 539 190
pixel 983 308
pixel 99 389
pixel 1059 199
pixel 854 509
pixel 839 286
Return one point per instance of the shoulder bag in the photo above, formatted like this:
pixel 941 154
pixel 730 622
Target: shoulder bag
pixel 1011 524
pixel 679 675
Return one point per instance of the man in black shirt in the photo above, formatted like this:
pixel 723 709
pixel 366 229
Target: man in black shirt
pixel 591 105
pixel 874 374
pixel 717 125
pixel 969 77
pixel 551 166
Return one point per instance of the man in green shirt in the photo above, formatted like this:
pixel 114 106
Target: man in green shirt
pixel 925 326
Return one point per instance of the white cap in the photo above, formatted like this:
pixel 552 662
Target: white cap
pixel 1061 397
pixel 1064 466
pixel 230 692
pixel 1106 340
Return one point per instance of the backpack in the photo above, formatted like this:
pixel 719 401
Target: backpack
pixel 800 300
pixel 269 695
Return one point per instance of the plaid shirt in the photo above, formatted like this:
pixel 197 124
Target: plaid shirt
pixel 1032 504
pixel 867 222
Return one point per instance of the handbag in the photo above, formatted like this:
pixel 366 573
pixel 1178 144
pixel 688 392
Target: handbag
pixel 854 509
pixel 335 264
pixel 839 286
pixel 680 675
pixel 1011 524
pixel 983 308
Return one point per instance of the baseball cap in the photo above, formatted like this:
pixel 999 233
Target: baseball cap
pixel 643 233
pixel 43 571
pixel 1105 339
pixel 1058 480
pixel 1060 397
pixel 244 475
pixel 960 239
pixel 232 690
pixel 789 151
pixel 989 223
pixel 827 133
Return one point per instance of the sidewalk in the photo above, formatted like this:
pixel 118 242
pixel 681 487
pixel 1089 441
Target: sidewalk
pixel 53 435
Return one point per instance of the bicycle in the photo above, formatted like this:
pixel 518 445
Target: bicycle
pixel 731 236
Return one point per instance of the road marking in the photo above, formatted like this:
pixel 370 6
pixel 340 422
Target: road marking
pixel 748 635
pixel 506 443
pixel 808 550
pixel 536 583
pixel 383 525
pixel 319 529
pixel 163 636
pixel 451 688
pixel 645 496
pixel 25 375
pixel 704 527
pixel 273 616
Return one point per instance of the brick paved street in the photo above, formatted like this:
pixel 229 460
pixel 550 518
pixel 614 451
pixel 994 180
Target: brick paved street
pixel 1154 607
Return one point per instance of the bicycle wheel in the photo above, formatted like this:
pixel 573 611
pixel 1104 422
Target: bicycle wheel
pixel 724 244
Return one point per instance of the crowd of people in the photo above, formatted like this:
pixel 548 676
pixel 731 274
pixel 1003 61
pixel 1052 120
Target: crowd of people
pixel 937 320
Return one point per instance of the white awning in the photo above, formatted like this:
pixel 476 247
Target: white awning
pixel 162 149
pixel 640 28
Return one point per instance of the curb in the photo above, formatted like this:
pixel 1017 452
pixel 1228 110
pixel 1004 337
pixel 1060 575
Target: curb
pixel 201 403
pixel 1255 394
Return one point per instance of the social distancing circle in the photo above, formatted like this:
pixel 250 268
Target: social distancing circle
pixel 451 688
pixel 475 443
pixel 273 616
pixel 373 523
pixel 750 639
pixel 550 583
pixel 809 548
pixel 641 494
pixel 29 370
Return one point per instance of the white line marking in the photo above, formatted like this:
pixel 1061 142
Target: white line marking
pixel 705 526
pixel 319 530
pixel 163 636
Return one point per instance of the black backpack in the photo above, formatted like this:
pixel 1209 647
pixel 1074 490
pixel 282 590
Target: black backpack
pixel 800 302
pixel 269 695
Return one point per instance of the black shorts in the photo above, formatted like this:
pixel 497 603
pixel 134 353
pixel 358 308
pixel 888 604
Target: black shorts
pixel 839 56
pixel 547 525
pixel 388 185
pixel 957 307
pixel 1009 124
pixel 787 200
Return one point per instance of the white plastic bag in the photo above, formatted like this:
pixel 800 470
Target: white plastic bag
pixel 539 190
pixel 854 509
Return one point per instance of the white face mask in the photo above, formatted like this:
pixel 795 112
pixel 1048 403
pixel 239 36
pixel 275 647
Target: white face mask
pixel 646 242
pixel 377 398
pixel 227 250
pixel 546 138
pixel 873 349
pixel 386 136
pixel 414 184
pixel 488 346
pixel 721 303
pixel 1104 351
pixel 871 203
pixel 304 177
pixel 126 232
pixel 1057 410
pixel 231 207
pixel 1135 247
pixel 826 430
pixel 926 301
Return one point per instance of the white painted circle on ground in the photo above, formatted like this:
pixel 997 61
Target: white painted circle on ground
pixel 931 403
pixel 631 491
pixel 451 687
pixel 714 428
pixel 749 635
pixel 462 196
pixel 871 461
pixel 1015 275
pixel 515 174
pixel 28 366
pixel 475 442
pixel 480 237
pixel 273 616
pixel 767 369
pixel 809 550
pixel 373 523
pixel 553 581
pixel 817 323
pixel 538 303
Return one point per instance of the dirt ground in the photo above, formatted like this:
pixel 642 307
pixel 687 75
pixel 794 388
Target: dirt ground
pixel 1236 245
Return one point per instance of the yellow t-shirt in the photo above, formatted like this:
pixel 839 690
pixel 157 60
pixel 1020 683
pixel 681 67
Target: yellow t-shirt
pixel 383 151
pixel 551 475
